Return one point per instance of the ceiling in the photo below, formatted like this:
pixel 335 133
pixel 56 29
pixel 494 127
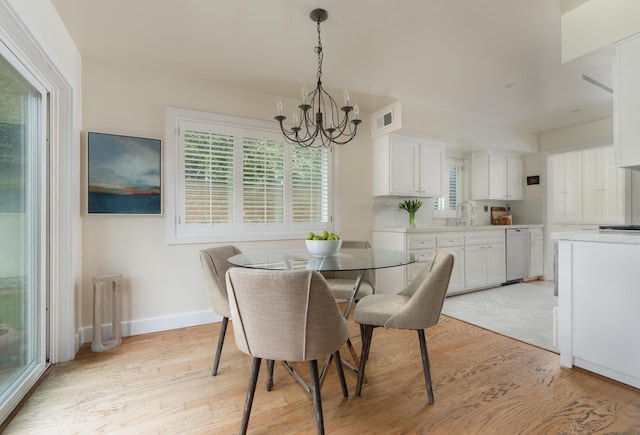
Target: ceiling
pixel 486 59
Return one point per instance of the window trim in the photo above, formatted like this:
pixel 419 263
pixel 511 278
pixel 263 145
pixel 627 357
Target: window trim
pixel 172 182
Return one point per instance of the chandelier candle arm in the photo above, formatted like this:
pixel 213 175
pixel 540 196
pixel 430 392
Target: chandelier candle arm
pixel 319 117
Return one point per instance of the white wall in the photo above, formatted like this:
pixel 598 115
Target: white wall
pixel 164 286
pixel 589 134
pixel 530 210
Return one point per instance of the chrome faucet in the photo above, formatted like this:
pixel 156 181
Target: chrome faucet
pixel 470 214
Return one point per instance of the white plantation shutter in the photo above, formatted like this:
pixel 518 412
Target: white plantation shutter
pixel 263 174
pixel 455 184
pixel 237 181
pixel 208 177
pixel 454 190
pixel 310 195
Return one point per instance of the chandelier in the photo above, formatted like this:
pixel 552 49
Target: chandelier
pixel 319 117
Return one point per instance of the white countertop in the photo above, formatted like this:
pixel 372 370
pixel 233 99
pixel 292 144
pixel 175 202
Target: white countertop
pixel 443 229
pixel 596 237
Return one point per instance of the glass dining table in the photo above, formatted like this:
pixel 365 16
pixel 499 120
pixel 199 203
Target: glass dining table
pixel 347 259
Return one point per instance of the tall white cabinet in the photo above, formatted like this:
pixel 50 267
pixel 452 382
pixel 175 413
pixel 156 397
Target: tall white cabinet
pixel 587 187
pixel 566 180
pixel 406 166
pixel 602 187
pixel 496 176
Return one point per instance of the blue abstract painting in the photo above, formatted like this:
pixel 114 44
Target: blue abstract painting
pixel 124 174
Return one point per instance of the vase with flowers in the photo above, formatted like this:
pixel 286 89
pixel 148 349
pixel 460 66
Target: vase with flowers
pixel 411 206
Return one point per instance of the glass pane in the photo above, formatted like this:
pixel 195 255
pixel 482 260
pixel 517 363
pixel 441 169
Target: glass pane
pixel 21 339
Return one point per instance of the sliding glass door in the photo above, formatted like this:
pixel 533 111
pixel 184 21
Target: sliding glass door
pixel 23 238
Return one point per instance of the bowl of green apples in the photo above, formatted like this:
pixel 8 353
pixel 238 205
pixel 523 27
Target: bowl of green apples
pixel 323 244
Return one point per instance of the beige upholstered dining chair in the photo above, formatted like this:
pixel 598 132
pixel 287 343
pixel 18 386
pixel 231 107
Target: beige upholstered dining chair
pixel 215 265
pixel 341 283
pixel 416 307
pixel 287 316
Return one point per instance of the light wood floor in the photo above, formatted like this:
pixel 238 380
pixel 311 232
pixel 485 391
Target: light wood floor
pixel 484 383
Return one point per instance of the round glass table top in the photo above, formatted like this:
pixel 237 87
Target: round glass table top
pixel 345 259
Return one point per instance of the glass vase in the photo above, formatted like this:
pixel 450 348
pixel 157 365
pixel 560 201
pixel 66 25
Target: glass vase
pixel 412 219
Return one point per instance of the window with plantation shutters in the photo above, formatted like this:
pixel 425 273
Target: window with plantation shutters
pixel 236 179
pixel 455 185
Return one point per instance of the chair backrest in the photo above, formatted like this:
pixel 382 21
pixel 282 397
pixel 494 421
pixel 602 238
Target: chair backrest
pixel 369 275
pixel 427 292
pixel 215 265
pixel 284 315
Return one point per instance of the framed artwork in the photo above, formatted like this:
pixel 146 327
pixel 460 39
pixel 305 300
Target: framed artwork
pixel 124 175
pixel 533 179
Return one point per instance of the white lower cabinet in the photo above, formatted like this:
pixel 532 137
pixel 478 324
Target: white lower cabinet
pixel 485 261
pixel 536 253
pixel 454 243
pixel 479 257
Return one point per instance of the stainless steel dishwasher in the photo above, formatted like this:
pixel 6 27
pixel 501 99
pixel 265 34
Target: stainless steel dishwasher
pixel 517 254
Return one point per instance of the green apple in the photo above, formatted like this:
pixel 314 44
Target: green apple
pixel 310 236
pixel 325 235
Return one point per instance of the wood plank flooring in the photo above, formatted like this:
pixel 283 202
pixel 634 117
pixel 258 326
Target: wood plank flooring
pixel 484 383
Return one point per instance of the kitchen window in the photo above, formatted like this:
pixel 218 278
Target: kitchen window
pixel 236 179
pixel 455 183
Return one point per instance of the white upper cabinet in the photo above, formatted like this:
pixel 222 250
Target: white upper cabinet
pixel 496 176
pixel 407 166
pixel 626 105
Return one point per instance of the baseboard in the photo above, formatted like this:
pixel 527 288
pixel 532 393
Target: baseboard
pixel 156 324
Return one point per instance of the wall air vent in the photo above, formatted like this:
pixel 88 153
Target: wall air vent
pixel 386 120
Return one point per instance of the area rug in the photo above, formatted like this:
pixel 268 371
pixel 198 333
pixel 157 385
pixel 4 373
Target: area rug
pixel 520 311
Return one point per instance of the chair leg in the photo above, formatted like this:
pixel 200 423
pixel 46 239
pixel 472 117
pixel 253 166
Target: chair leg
pixel 269 374
pixel 317 400
pixel 367 335
pixel 425 364
pixel 255 369
pixel 343 383
pixel 223 331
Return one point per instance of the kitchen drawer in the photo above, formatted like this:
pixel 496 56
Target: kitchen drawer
pixel 535 234
pixel 448 240
pixel 484 237
pixel 422 255
pixel 421 242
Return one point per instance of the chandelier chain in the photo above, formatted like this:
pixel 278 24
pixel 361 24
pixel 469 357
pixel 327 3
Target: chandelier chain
pixel 318 51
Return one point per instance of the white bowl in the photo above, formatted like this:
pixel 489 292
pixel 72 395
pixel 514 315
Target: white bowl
pixel 323 248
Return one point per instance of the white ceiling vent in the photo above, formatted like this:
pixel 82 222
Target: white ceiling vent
pixel 386 120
